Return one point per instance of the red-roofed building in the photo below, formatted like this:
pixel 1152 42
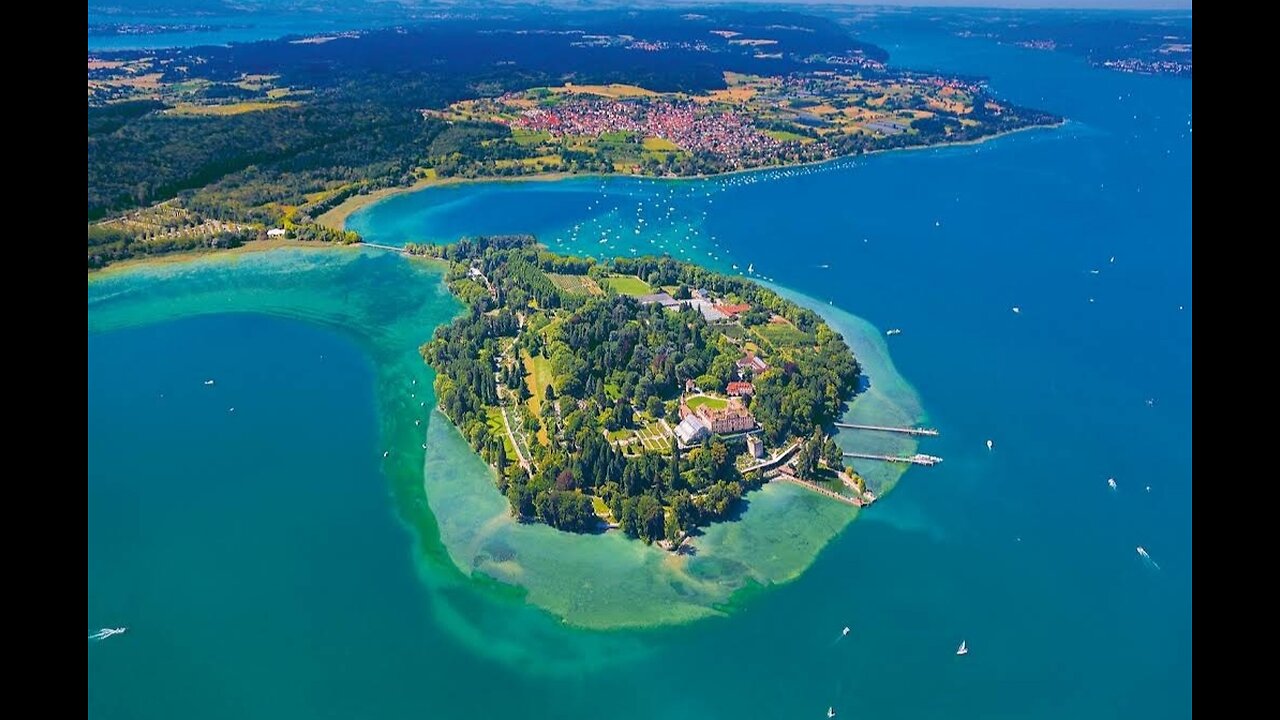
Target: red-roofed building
pixel 739 389
pixel 732 310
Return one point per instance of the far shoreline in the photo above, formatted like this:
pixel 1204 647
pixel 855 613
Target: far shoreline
pixel 343 211
pixel 336 218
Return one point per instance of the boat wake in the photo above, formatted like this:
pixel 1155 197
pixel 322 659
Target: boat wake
pixel 105 633
pixel 1146 559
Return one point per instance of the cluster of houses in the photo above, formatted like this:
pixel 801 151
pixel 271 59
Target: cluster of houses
pixel 686 124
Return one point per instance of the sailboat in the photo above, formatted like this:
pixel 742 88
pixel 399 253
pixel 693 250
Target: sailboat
pixel 831 712
pixel 963 649
pixel 751 267
pixel 990 445
pixel 1111 483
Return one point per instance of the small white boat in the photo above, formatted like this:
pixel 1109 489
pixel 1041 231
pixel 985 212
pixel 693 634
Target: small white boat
pixel 1094 272
pixel 893 331
pixel 963 649
pixel 751 267
pixel 1143 552
pixel 386 453
pixel 208 382
pixel 1148 488
pixel 831 712
pixel 990 445
pixel 1016 309
pixel 1111 483
pixel 105 633
pixel 845 631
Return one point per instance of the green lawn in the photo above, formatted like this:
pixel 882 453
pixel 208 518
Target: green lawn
pixel 538 377
pixel 601 509
pixel 659 144
pixel 714 403
pixel 733 331
pixel 782 335
pixel 493 418
pixel 785 136
pixel 628 285
pixel 616 137
pixel 528 137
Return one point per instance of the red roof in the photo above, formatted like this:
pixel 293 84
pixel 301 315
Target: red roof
pixel 733 309
pixel 739 388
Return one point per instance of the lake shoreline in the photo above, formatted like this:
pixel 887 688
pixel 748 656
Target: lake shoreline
pixel 336 218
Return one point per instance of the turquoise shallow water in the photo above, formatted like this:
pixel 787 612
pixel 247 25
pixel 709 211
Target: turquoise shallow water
pixel 1022 551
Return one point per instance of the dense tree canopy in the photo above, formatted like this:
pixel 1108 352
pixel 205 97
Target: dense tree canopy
pixel 614 363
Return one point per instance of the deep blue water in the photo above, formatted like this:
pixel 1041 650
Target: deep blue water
pixel 1022 551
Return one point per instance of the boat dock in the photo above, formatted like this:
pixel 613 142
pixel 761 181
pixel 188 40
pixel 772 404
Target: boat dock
pixel 917 459
pixel 881 428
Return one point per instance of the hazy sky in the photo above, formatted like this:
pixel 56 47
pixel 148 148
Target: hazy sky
pixel 1112 4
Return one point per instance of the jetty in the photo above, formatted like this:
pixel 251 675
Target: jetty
pixel 917 459
pixel 788 477
pixel 882 428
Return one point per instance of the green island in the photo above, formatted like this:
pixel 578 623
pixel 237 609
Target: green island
pixel 644 394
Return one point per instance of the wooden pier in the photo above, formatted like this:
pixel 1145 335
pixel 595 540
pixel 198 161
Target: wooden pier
pixel 882 428
pixel 917 459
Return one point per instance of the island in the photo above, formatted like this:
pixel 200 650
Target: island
pixel 207 148
pixel 643 394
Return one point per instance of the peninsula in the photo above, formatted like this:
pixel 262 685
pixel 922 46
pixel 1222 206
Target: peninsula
pixel 206 148
pixel 644 393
